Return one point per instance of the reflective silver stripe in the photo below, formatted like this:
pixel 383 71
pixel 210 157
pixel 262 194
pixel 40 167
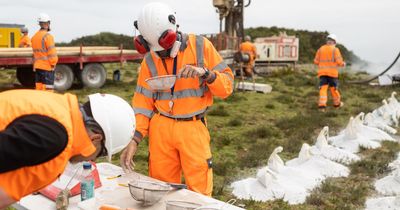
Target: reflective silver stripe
pixel 181 94
pixel 184 115
pixel 144 91
pixel 50 86
pixel 51 47
pixel 229 76
pixel 44 41
pixel 327 67
pixel 151 65
pixel 145 112
pixel 51 56
pixel 45 58
pixel 199 51
pixel 220 67
pixel 326 61
pixel 39 50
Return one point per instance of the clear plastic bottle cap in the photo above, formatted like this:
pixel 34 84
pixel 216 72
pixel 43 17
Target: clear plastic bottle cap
pixel 87 165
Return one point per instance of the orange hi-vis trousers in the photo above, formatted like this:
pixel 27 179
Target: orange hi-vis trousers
pixel 331 83
pixel 181 146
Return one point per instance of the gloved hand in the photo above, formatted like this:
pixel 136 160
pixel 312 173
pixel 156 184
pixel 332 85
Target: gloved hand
pixel 126 158
pixel 190 71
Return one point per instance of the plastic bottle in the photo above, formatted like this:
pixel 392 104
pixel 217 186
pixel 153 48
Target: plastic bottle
pixel 87 182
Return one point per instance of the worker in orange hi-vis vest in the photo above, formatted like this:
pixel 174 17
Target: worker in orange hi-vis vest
pixel 44 55
pixel 40 132
pixel 25 40
pixel 173 116
pixel 249 48
pixel 329 59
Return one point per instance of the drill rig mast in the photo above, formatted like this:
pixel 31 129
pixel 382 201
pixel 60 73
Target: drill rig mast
pixel 232 12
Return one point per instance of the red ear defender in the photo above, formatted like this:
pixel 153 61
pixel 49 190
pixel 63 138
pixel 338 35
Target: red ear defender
pixel 141 45
pixel 167 39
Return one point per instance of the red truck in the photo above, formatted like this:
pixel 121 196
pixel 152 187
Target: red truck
pixel 84 63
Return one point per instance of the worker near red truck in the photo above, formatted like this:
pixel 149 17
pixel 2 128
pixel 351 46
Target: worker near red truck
pixel 328 59
pixel 250 49
pixel 174 118
pixel 25 40
pixel 41 131
pixel 44 55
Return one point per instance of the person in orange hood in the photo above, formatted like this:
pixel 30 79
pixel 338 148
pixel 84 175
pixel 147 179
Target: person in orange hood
pixel 173 116
pixel 25 40
pixel 250 49
pixel 44 55
pixel 41 131
pixel 328 58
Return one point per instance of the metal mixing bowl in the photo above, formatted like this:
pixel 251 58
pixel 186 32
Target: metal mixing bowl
pixel 181 205
pixel 164 82
pixel 148 192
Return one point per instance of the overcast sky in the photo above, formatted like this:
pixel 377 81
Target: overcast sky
pixel 371 28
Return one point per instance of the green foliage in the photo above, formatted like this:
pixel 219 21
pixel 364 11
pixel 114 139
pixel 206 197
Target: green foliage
pixel 102 39
pixel 310 42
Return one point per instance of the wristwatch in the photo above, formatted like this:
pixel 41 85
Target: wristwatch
pixel 206 74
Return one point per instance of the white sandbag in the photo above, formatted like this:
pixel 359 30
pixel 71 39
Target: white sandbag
pixel 369 132
pixel 389 185
pixel 330 152
pixel 377 122
pixel 351 141
pixel 383 203
pixel 317 164
pixel 275 163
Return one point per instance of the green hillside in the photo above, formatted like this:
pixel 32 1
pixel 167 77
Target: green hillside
pixel 102 39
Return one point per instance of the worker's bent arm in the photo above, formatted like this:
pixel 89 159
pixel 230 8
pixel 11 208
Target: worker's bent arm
pixel 143 102
pixel 51 51
pixel 316 59
pixel 222 86
pixel 338 57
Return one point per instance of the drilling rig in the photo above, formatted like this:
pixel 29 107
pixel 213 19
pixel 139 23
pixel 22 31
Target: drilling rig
pixel 232 12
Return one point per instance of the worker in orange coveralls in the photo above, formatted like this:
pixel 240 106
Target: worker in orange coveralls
pixel 44 55
pixel 249 48
pixel 174 118
pixel 328 58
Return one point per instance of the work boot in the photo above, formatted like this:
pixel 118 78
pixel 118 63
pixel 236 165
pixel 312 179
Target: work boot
pixel 322 108
pixel 339 106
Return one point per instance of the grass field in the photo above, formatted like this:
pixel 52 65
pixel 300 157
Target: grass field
pixel 247 126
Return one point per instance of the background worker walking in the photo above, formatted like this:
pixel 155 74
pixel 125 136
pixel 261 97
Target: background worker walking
pixel 174 118
pixel 41 131
pixel 44 55
pixel 328 58
pixel 25 40
pixel 249 48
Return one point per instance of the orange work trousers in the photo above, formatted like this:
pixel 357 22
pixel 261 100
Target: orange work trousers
pixel 181 146
pixel 331 83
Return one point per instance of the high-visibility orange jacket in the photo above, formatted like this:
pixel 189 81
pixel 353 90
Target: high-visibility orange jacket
pixel 192 96
pixel 248 47
pixel 44 51
pixel 62 108
pixel 25 41
pixel 328 59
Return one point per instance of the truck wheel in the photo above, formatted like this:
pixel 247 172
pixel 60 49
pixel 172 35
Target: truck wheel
pixel 94 75
pixel 63 77
pixel 26 77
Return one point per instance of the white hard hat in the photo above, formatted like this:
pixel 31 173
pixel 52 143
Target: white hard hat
pixel 332 36
pixel 43 17
pixel 153 20
pixel 247 38
pixel 24 30
pixel 116 118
